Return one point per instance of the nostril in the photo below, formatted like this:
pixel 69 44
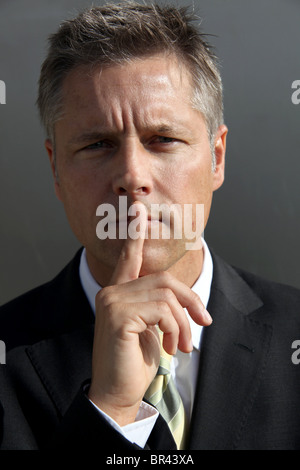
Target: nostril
pixel 141 190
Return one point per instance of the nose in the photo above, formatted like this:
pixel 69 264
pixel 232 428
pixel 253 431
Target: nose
pixel 132 171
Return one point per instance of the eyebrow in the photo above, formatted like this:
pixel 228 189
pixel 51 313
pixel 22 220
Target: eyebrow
pixel 89 137
pixel 176 128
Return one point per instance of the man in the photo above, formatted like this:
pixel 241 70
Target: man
pixel 131 99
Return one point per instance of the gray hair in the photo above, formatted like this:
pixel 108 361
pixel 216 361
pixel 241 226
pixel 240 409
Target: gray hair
pixel 118 33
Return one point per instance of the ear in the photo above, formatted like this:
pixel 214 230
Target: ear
pixel 220 150
pixel 51 155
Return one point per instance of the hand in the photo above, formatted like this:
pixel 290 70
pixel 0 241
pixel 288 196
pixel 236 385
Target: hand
pixel 126 348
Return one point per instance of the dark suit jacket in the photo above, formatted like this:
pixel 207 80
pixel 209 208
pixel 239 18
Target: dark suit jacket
pixel 248 389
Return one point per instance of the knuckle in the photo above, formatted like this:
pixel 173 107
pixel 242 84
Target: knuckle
pixel 116 307
pixel 113 315
pixel 167 294
pixel 111 309
pixel 105 296
pixel 165 277
pixel 195 297
pixel 163 307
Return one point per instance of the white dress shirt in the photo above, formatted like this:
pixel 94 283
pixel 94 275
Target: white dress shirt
pixel 184 366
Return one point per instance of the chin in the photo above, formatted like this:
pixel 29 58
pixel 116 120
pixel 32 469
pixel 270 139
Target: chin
pixel 159 256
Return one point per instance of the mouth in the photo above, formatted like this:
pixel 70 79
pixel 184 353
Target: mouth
pixel 151 222
pixel 128 219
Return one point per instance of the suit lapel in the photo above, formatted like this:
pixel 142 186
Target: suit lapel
pixel 233 355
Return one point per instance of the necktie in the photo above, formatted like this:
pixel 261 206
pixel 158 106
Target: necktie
pixel 163 394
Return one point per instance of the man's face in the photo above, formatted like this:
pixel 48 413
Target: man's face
pixel 130 130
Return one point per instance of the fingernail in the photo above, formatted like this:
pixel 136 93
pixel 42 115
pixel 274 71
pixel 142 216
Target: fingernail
pixel 207 316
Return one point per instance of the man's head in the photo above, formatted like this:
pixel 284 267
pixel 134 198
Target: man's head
pixel 119 33
pixel 131 99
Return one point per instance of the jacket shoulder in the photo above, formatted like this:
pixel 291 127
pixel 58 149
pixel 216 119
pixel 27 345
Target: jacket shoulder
pixel 278 301
pixel 270 290
pixel 281 303
pixel 49 309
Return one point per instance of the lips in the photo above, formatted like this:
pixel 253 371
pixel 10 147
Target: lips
pixel 128 219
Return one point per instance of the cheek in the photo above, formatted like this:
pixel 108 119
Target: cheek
pixel 80 201
pixel 79 184
pixel 194 186
pixel 189 185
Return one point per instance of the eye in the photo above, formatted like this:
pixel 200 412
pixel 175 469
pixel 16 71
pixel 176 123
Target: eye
pixel 101 144
pixel 163 142
pixel 163 139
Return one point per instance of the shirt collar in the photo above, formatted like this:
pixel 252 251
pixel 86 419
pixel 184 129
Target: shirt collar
pixel 202 287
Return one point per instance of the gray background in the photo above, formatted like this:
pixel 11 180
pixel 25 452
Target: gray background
pixel 255 216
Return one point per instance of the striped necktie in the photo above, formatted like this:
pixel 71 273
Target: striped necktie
pixel 163 394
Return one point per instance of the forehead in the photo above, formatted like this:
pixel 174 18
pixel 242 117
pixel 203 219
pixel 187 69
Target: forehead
pixel 158 78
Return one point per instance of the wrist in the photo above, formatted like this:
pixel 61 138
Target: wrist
pixel 121 413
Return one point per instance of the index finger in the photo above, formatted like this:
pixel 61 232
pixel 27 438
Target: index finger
pixel 131 256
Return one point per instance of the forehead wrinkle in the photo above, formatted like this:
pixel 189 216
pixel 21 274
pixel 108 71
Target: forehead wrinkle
pixel 150 98
pixel 116 112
